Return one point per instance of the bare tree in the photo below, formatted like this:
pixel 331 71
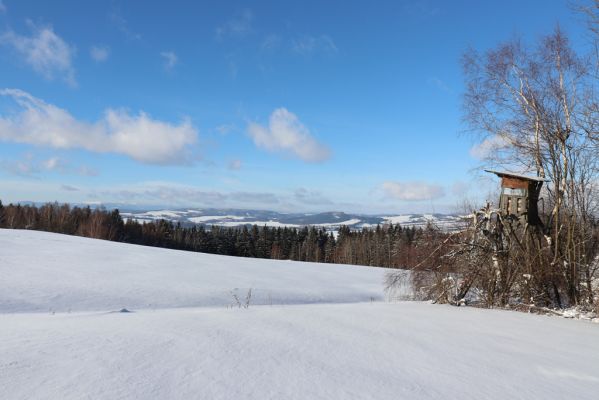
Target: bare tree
pixel 535 110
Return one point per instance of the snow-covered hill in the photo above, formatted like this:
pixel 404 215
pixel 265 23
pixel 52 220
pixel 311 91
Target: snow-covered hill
pixel 43 271
pixel 327 220
pixel 182 341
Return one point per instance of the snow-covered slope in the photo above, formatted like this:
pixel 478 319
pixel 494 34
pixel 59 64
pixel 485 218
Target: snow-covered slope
pixel 171 347
pixel 43 271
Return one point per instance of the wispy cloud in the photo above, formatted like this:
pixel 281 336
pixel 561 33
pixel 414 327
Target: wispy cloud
pixel 413 191
pixel 488 147
pixel 69 188
pixel 285 133
pixel 459 188
pixel 84 170
pixel 225 129
pixel 439 84
pixel 25 166
pixel 271 42
pixel 235 165
pixel 29 166
pixel 99 53
pixel 2 7
pixel 46 52
pixel 170 59
pixel 308 44
pixel 303 45
pixel 238 26
pixel 160 193
pixel 138 136
pixel 117 19
pixel 422 8
pixel 233 68
pixel 253 198
pixel 311 197
pixel 54 164
pixel 168 194
pixel 177 195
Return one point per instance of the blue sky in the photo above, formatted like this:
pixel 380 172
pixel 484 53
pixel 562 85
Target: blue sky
pixel 289 106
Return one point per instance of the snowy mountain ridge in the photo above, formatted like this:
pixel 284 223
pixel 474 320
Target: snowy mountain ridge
pixel 328 220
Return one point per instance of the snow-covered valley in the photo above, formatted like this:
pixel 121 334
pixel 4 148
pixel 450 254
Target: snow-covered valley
pixel 311 331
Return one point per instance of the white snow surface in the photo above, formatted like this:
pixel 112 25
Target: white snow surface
pixel 349 222
pixel 274 224
pixel 206 218
pixel 398 219
pixel 181 343
pixel 162 214
pixel 42 271
pixel 269 223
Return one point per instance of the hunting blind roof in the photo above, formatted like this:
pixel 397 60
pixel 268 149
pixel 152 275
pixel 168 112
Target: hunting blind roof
pixel 517 176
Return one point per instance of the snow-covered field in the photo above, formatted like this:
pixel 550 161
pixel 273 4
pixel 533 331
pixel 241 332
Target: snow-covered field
pixel 42 272
pixel 328 334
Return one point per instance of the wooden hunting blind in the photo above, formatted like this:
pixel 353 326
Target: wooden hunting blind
pixel 519 196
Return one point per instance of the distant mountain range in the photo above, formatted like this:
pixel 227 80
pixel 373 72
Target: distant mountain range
pixel 327 220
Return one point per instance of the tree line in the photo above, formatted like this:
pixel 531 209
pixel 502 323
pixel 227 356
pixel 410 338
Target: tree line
pixel 390 246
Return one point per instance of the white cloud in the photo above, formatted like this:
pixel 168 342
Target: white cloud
pixel 238 26
pixel 138 136
pixel 61 166
pixel 53 164
pixel 2 7
pixel 488 146
pixel 285 133
pixel 170 59
pixel 45 51
pixel 413 191
pixel 307 45
pixel 99 53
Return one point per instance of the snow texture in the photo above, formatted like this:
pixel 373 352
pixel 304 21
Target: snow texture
pixel 45 271
pixel 183 350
